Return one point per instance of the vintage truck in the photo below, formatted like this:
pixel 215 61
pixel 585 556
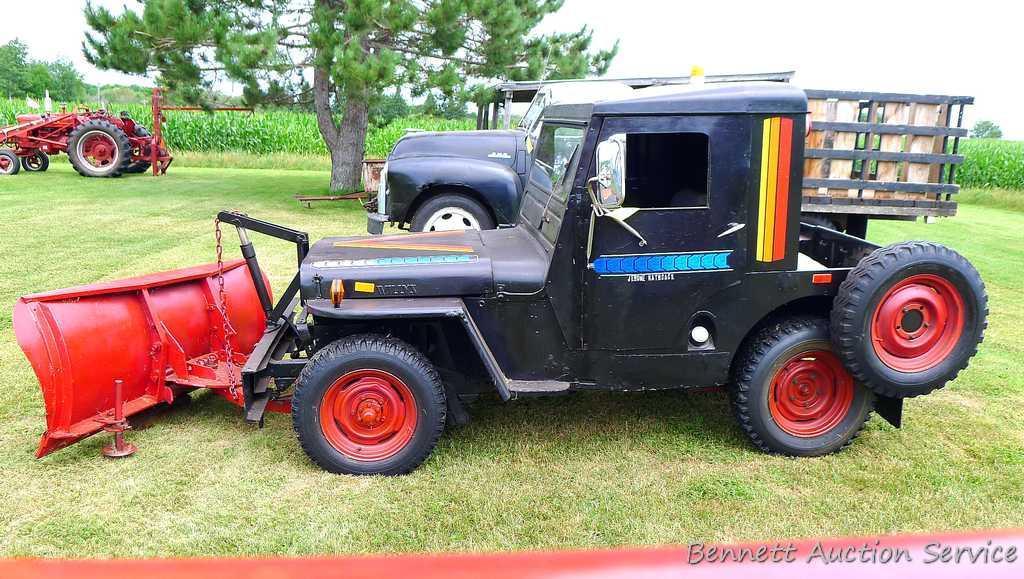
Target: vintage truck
pixel 868 155
pixel 658 246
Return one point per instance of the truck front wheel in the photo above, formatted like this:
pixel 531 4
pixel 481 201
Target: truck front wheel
pixel 451 212
pixel 368 404
pixel 792 395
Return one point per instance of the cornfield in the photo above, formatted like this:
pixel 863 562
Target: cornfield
pixel 992 163
pixel 261 133
pixel 989 163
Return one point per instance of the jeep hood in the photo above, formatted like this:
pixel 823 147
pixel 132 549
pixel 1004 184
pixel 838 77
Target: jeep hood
pixel 447 263
pixel 496 146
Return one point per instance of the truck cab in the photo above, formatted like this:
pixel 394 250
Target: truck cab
pixel 470 179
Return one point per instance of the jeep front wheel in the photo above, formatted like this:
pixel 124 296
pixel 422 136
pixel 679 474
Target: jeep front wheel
pixel 368 404
pixel 792 395
pixel 451 212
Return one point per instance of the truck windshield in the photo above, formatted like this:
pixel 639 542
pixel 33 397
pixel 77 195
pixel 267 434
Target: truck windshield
pixel 532 115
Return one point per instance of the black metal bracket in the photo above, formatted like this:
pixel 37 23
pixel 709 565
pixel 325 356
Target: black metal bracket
pixel 299 238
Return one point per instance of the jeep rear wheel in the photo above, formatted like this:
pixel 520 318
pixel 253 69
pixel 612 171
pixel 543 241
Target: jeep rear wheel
pixel 792 395
pixel 368 404
pixel 451 212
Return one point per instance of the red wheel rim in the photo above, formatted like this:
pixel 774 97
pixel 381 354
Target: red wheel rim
pixel 368 415
pixel 5 164
pixel 98 149
pixel 810 394
pixel 917 323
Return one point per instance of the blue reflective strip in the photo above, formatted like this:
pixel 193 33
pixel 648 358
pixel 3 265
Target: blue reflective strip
pixel 623 264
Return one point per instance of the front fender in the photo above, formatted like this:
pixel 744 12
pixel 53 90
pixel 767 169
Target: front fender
pixel 496 185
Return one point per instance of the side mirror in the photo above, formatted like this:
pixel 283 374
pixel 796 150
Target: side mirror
pixel 611 172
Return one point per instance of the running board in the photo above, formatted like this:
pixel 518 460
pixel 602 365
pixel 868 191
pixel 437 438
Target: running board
pixel 537 387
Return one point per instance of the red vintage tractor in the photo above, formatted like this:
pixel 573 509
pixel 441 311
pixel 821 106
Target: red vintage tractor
pixel 97 143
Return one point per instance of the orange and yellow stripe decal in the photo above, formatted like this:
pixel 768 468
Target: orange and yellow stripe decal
pixel 403 242
pixel 773 194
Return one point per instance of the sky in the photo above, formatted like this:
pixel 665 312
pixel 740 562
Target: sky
pixel 937 47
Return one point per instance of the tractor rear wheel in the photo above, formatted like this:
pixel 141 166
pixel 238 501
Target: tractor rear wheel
pixel 368 404
pixel 9 163
pixel 909 317
pixel 792 395
pixel 38 162
pixel 98 148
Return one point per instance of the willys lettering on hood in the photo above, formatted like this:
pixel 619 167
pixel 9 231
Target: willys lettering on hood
pixel 441 263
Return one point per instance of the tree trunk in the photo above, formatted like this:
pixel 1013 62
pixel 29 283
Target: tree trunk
pixel 347 155
pixel 346 140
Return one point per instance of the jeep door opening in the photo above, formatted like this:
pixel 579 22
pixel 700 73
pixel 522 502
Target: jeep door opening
pixel 658 246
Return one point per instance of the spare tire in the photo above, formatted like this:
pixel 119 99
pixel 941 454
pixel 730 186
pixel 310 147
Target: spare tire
pixel 908 318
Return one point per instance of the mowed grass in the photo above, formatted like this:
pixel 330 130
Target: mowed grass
pixel 576 471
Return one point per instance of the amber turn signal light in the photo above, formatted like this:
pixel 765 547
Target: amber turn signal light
pixel 337 292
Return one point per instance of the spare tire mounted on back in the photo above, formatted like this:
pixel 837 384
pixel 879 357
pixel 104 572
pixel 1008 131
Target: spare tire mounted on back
pixel 909 317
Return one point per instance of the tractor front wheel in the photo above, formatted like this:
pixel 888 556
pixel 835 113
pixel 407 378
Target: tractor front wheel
pixel 37 162
pixel 98 148
pixel 791 393
pixel 368 404
pixel 9 164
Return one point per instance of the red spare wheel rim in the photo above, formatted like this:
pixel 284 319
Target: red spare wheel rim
pixel 917 323
pixel 368 415
pixel 810 394
pixel 98 149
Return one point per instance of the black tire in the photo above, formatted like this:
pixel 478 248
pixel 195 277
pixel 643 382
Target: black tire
pixel 137 167
pixel 439 208
pixel 9 162
pixel 765 359
pixel 875 285
pixel 122 149
pixel 368 353
pixel 36 163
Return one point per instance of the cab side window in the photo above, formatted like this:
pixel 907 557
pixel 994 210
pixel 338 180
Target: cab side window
pixel 667 170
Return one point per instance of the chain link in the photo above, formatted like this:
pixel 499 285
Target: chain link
pixel 229 330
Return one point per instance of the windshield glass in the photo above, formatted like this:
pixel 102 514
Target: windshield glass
pixel 540 100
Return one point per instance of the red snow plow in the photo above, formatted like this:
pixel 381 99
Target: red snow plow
pixel 106 351
pixel 175 331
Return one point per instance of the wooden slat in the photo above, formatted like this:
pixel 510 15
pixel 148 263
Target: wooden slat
pixel 845 112
pixel 895 114
pixel 815 167
pixel 924 115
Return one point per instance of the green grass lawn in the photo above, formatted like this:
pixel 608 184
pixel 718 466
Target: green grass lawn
pixel 578 471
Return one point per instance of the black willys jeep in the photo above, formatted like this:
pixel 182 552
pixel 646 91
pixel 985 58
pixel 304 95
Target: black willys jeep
pixel 658 246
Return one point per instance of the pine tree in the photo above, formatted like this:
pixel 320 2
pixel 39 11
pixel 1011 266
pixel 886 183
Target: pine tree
pixel 340 54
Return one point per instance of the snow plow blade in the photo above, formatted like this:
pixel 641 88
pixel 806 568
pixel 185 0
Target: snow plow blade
pixel 161 335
